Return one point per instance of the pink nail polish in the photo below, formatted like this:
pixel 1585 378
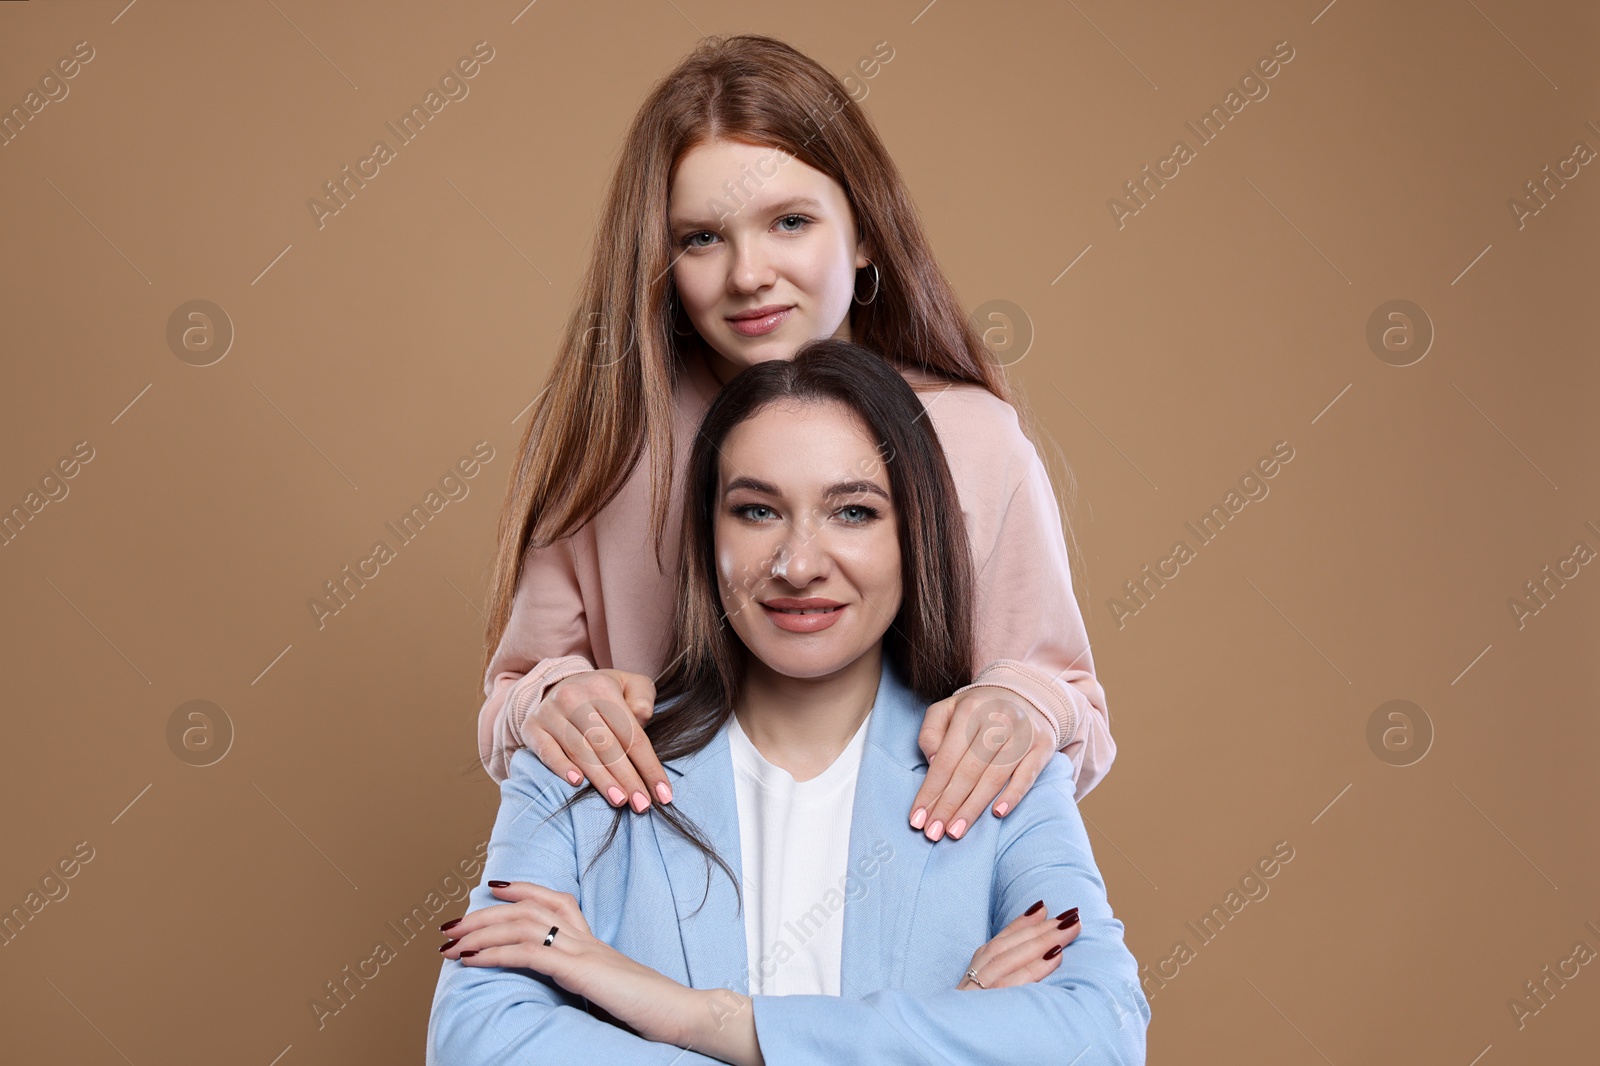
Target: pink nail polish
pixel 1001 808
pixel 958 827
pixel 640 802
pixel 936 830
pixel 664 792
pixel 574 776
pixel 616 796
pixel 919 816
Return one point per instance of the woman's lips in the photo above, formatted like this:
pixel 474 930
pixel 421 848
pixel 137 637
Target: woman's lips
pixel 813 621
pixel 756 327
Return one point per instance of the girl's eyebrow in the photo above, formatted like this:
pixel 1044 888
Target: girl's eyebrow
pixel 769 209
pixel 838 488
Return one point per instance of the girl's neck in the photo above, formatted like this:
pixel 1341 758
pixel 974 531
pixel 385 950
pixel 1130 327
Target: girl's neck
pixel 802 724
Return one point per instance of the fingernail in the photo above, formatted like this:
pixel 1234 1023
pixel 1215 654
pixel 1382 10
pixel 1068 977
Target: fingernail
pixel 447 945
pixel 664 791
pixel 936 830
pixel 574 776
pixel 1001 808
pixel 919 816
pixel 640 802
pixel 1063 914
pixel 499 884
pixel 958 827
pixel 616 796
pixel 466 954
pixel 1069 921
pixel 451 924
pixel 1033 909
pixel 1052 953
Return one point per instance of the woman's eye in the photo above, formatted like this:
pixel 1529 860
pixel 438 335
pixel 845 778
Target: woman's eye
pixel 858 513
pixel 689 239
pixel 802 219
pixel 750 510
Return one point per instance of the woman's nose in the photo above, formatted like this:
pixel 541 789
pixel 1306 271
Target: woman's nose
pixel 803 557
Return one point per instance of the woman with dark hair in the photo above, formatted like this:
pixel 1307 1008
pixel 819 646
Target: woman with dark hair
pixel 825 594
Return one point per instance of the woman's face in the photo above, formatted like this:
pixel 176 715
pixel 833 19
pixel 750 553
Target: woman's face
pixel 804 521
pixel 755 229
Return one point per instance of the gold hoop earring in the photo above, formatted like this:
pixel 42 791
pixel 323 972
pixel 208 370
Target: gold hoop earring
pixel 672 302
pixel 875 278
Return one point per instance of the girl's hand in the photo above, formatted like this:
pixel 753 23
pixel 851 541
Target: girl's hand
pixel 1021 953
pixel 512 935
pixel 595 721
pixel 977 742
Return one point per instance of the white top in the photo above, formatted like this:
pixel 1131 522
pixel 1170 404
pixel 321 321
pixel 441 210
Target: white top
pixel 794 843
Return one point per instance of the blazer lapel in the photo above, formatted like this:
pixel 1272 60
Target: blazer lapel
pixel 702 791
pixel 877 923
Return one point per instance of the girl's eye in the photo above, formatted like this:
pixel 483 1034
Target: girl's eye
pixel 745 511
pixel 691 240
pixel 858 513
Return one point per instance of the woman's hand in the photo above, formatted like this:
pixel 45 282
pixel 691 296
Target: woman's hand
pixel 595 720
pixel 512 935
pixel 976 742
pixel 1025 951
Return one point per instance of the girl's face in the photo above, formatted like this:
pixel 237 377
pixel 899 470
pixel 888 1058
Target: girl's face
pixel 756 230
pixel 805 522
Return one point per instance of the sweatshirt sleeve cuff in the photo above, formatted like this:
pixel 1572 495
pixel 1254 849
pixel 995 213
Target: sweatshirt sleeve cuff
pixel 1038 690
pixel 531 689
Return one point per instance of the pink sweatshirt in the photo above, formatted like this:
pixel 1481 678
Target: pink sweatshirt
pixel 596 599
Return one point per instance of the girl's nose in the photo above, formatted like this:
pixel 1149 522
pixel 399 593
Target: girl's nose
pixel 750 269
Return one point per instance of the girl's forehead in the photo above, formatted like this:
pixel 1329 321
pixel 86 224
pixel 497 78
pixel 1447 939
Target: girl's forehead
pixel 741 173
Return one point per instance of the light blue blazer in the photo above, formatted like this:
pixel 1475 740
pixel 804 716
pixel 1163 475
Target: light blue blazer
pixel 914 913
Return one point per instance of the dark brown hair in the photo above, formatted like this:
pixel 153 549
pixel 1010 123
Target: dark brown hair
pixel 930 642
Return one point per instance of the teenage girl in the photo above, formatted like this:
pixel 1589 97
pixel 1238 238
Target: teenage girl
pixel 753 208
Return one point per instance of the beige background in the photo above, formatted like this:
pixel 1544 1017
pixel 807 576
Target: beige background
pixel 1229 314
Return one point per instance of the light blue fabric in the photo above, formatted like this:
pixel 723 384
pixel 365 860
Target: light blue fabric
pixel 914 913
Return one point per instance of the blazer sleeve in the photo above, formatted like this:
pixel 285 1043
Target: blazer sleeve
pixel 1029 630
pixel 1090 1011
pixel 546 640
pixel 487 1016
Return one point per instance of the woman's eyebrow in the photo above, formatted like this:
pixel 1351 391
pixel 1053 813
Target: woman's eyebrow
pixel 770 209
pixel 838 488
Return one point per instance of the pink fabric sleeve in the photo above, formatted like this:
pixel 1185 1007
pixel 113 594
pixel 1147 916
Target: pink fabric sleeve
pixel 546 640
pixel 1029 629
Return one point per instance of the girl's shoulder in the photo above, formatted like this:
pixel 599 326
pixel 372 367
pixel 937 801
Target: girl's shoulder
pixel 981 434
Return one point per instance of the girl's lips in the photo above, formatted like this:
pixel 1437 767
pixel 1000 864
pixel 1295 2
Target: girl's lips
pixel 756 327
pixel 795 622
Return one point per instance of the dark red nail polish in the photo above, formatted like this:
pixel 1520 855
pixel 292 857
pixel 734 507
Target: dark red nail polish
pixel 1068 916
pixel 467 954
pixel 451 924
pixel 1068 922
pixel 1033 909
pixel 447 945
pixel 499 884
pixel 1053 952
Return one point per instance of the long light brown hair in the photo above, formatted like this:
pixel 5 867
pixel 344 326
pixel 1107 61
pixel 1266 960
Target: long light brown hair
pixel 610 394
pixel 929 644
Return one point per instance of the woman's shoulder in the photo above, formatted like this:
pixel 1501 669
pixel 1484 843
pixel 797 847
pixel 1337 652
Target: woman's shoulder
pixel 1050 801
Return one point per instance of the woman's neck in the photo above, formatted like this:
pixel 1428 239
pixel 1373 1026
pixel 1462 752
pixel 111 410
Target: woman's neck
pixel 802 724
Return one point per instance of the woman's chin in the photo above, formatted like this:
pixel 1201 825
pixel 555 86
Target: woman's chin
pixel 784 656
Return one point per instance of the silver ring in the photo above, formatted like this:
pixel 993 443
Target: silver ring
pixel 550 937
pixel 972 975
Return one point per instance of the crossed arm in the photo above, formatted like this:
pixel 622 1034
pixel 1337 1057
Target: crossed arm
pixel 1090 1006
